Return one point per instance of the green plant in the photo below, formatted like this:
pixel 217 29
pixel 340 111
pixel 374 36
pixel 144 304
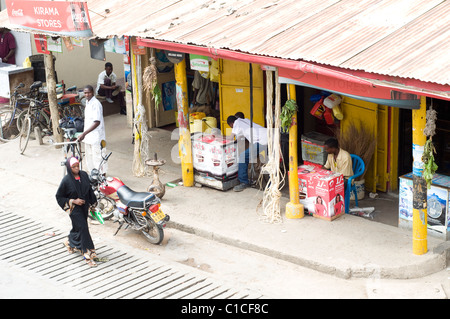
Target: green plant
pixel 287 112
pixel 429 167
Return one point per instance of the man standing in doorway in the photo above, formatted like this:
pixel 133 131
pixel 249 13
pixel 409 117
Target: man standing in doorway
pixel 106 86
pixel 7 47
pixel 94 131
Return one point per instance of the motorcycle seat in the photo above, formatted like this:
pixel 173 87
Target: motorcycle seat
pixel 134 199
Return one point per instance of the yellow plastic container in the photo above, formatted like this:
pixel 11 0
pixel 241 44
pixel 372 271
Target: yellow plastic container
pixel 198 126
pixel 210 123
pixel 337 112
pixel 195 116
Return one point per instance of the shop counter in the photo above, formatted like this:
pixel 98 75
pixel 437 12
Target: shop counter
pixel 11 76
pixel 437 205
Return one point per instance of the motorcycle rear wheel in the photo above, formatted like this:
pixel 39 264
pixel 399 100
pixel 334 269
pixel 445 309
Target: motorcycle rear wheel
pixel 153 233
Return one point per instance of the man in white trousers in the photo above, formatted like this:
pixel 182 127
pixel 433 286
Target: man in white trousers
pixel 94 131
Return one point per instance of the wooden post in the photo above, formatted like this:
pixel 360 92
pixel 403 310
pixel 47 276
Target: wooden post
pixel 419 118
pixel 293 209
pixel 51 91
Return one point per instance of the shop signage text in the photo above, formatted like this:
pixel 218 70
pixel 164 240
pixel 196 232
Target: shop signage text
pixel 64 18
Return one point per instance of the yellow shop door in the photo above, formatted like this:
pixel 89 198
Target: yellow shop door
pixel 234 89
pixel 382 121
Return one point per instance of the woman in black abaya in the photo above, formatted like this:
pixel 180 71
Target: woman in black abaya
pixel 75 196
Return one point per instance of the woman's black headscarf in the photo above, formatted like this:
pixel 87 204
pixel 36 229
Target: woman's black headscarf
pixel 82 185
pixel 70 188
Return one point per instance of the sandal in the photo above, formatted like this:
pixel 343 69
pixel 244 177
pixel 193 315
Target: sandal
pixel 70 249
pixel 89 261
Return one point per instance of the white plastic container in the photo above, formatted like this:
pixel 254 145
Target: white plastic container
pixel 332 101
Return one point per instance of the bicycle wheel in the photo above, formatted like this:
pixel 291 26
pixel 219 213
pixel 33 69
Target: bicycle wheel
pixel 77 110
pixel 25 134
pixel 42 120
pixel 8 125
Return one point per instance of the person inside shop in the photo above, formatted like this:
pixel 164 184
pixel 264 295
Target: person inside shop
pixel 94 131
pixel 107 87
pixel 7 47
pixel 203 91
pixel 338 160
pixel 75 196
pixel 241 127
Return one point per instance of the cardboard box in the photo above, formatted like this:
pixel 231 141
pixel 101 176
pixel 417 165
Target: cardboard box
pixel 215 156
pixel 321 192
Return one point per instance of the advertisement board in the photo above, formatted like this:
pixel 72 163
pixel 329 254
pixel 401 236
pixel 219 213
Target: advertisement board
pixel 59 17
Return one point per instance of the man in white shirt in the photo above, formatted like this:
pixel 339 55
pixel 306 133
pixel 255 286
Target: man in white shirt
pixel 94 131
pixel 241 127
pixel 106 86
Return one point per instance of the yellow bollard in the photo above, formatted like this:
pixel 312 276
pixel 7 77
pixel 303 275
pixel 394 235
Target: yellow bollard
pixel 184 143
pixel 293 209
pixel 419 184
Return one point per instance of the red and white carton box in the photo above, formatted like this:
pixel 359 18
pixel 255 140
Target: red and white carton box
pixel 321 192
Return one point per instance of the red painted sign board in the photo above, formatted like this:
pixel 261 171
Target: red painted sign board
pixel 69 18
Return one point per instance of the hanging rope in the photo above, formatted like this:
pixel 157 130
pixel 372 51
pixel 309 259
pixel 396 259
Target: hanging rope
pixel 271 199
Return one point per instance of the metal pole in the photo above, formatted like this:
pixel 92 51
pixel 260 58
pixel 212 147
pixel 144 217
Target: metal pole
pixel 419 184
pixel 293 209
pixel 184 143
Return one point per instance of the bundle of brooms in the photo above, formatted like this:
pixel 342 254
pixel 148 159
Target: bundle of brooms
pixel 358 140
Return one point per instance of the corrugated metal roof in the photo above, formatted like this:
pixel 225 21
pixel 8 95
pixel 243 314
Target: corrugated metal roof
pixel 402 38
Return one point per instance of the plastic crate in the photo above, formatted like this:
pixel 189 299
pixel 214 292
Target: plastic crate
pixel 313 147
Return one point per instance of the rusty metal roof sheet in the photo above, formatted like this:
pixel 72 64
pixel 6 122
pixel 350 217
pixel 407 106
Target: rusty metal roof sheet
pixel 402 38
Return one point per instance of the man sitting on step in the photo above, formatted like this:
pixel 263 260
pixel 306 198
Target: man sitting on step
pixel 106 86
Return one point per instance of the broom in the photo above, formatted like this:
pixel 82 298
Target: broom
pixel 358 140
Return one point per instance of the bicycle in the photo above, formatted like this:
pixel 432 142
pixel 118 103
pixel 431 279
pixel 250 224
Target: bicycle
pixel 70 148
pixel 9 129
pixel 32 118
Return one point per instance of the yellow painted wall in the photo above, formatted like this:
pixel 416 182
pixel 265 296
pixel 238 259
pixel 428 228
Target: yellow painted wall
pixel 234 86
pixel 375 118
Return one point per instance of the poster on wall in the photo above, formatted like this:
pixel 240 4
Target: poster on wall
pixel 168 95
pixel 109 45
pixel 54 44
pixel 69 18
pixel 41 43
pixel 68 43
pixel 97 49
pixel 77 42
pixel 119 45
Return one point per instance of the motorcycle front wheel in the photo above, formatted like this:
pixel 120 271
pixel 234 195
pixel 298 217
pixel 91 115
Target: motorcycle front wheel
pixel 105 206
pixel 153 233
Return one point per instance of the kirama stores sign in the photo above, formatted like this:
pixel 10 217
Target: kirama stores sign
pixel 69 18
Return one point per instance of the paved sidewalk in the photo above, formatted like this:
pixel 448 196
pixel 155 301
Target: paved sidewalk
pixel 348 247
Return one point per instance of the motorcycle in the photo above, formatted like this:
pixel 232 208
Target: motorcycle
pixel 139 210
